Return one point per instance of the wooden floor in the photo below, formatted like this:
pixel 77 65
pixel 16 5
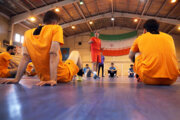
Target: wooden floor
pixel 116 99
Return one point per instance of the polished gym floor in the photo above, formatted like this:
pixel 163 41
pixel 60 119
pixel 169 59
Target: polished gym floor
pixel 120 98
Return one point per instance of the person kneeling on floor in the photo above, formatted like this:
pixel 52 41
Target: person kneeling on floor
pixel 46 55
pixel 157 63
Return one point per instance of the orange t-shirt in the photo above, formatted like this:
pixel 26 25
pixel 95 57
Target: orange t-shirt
pixel 38 47
pixel 157 54
pixel 96 45
pixel 5 58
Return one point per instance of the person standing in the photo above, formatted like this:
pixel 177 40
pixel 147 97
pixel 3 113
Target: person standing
pixel 101 65
pixel 95 53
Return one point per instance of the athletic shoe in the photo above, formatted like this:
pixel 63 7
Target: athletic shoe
pixel 96 77
pixel 79 78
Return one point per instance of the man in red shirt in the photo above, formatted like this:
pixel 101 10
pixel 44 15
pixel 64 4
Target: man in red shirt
pixel 95 53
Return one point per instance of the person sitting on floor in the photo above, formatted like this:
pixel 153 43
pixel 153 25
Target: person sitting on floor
pixel 112 71
pixel 157 63
pixel 87 71
pixel 8 67
pixel 30 70
pixel 46 55
pixel 131 71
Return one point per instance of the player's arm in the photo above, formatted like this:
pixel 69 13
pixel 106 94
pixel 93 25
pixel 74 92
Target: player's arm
pixel 21 68
pixel 90 41
pixel 54 61
pixel 134 50
pixel 23 64
pixel 132 56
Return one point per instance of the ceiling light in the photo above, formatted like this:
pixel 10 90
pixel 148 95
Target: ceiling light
pixel 57 10
pixel 32 19
pixel 90 22
pixel 73 27
pixel 112 18
pixel 81 2
pixel 173 1
pixel 135 20
pixel 179 28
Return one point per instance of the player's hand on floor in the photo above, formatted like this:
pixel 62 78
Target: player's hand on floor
pixel 49 82
pixel 8 81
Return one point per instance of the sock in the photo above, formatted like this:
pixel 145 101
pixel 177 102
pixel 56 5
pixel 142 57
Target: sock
pixel 80 73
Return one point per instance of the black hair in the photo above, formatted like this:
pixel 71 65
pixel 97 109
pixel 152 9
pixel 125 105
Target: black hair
pixel 50 16
pixel 87 64
pixel 152 26
pixel 112 63
pixel 10 47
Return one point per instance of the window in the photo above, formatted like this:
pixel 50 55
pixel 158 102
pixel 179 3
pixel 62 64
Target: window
pixel 17 37
pixel 22 39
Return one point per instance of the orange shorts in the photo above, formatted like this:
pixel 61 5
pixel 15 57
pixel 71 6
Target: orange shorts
pixel 157 81
pixel 149 80
pixel 96 56
pixel 66 74
pixel 5 73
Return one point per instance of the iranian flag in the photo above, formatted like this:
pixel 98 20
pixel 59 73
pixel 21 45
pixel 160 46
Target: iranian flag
pixel 117 45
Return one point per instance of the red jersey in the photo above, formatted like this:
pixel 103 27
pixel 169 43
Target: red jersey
pixel 96 45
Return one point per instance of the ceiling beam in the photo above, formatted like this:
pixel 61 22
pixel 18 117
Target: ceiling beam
pixel 28 10
pixel 149 7
pixel 22 5
pixel 139 3
pixel 87 9
pixel 31 4
pixel 82 14
pixel 24 26
pixel 172 10
pixel 44 2
pixel 4 15
pixel 174 26
pixel 157 13
pixel 96 6
pixel 171 30
pixel 77 11
pixel 122 14
pixel 21 17
pixel 68 13
pixel 8 9
pixel 142 14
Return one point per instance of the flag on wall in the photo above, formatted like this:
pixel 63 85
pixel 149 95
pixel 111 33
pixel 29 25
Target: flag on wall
pixel 65 53
pixel 117 45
